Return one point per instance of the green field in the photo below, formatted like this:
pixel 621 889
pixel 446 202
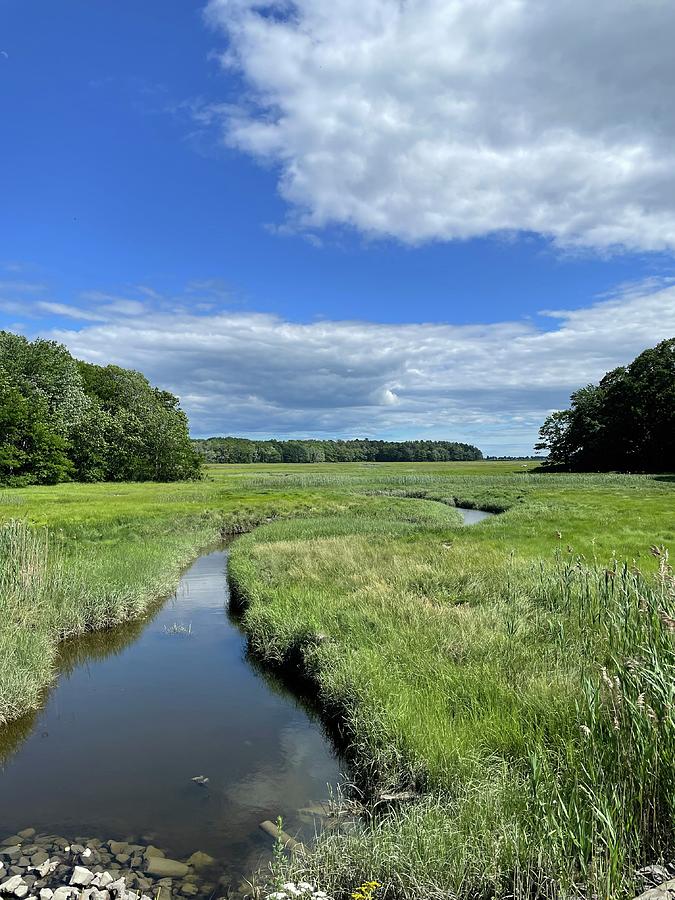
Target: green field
pixel 515 676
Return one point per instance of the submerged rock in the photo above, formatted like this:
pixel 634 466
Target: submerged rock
pixel 200 860
pixel 165 868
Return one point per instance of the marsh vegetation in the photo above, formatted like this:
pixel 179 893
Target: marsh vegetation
pixel 511 683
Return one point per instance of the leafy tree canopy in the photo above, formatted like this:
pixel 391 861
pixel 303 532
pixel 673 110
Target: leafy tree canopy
pixel 62 419
pixel 625 423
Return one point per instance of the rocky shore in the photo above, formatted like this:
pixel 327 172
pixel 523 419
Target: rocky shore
pixel 49 867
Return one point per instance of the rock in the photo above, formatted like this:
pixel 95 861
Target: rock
pixel 65 893
pixel 12 839
pixel 653 874
pixel 665 891
pixel 12 850
pixel 81 876
pixel 27 833
pixel 9 885
pixel 92 893
pixel 118 847
pixel 46 894
pixel 21 891
pixel 117 887
pixel 199 860
pixel 169 868
pixel 188 889
pixel 38 858
pixel 122 858
pixel 47 867
pixel 151 851
pixel 102 880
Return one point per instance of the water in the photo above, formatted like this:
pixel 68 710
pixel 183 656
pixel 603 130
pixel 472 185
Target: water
pixel 138 711
pixel 473 516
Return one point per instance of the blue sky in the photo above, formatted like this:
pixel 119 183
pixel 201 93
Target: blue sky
pixel 216 194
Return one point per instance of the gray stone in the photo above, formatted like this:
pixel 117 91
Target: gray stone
pixel 122 858
pixel 200 860
pixel 12 839
pixel 151 851
pixel 46 893
pixel 118 847
pixel 12 850
pixel 171 868
pixel 23 861
pixel 136 861
pixel 665 891
pixel 9 885
pixel 654 874
pixel 93 893
pixel 40 857
pixel 81 876
pixel 188 889
pixel 102 880
pixel 47 867
pixel 21 891
pixel 65 893
pixel 118 886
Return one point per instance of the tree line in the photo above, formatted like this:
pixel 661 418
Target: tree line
pixel 63 419
pixel 626 423
pixel 243 450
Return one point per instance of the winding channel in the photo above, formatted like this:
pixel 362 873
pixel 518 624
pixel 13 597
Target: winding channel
pixel 140 710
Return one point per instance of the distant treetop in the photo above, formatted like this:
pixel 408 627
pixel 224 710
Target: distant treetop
pixel 243 450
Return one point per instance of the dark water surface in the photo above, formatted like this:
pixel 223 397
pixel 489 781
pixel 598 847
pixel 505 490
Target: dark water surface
pixel 138 711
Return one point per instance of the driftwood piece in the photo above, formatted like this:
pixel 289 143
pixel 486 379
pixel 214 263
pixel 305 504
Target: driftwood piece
pixel 279 835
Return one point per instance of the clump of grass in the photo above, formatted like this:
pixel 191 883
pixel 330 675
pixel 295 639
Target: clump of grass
pixel 31 583
pixel 530 702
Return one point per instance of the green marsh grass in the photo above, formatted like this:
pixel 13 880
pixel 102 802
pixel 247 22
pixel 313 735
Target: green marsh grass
pixel 517 674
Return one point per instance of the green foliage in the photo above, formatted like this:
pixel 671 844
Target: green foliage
pixel 61 419
pixel 625 423
pixel 242 450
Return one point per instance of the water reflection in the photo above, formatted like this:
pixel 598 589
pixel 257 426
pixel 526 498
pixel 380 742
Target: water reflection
pixel 139 710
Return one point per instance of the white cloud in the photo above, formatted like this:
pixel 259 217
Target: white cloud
pixel 66 310
pixel 250 373
pixel 445 119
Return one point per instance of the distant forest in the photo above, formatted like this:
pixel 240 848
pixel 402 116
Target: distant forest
pixel 66 420
pixel 243 450
pixel 626 423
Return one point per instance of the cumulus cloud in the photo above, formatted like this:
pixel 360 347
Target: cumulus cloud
pixel 446 119
pixel 252 373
